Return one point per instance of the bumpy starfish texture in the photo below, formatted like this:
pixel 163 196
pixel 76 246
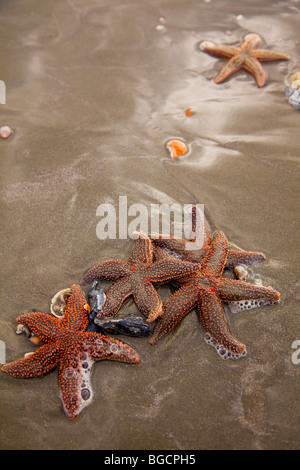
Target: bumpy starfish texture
pixel 136 278
pixel 190 250
pixel 246 56
pixel 70 348
pixel 206 290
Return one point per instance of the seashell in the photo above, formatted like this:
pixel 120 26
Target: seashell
pixel 177 148
pixel 131 325
pixel 293 94
pixel 292 90
pixel 296 83
pixel 59 303
pixel 241 272
pixel 28 354
pixel 34 339
pixel 5 132
pixel 96 298
pixel 22 329
pixel 295 76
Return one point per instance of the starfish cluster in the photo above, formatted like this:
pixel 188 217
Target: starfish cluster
pixel 198 272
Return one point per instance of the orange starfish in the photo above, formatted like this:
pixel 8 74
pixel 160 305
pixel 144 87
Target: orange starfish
pixel 70 348
pixel 246 56
pixel 206 290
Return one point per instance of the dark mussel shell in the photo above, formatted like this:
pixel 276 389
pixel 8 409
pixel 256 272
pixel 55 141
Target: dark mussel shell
pixel 131 325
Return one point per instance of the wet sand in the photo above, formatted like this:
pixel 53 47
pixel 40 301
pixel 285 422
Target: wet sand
pixel 94 92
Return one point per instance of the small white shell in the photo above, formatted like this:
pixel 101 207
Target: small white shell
pixel 28 354
pixel 5 132
pixel 22 329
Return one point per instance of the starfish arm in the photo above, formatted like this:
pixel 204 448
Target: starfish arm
pixel 37 364
pixel 246 258
pixel 43 325
pixel 219 50
pixel 251 43
pixel 147 300
pixel 99 347
pixel 76 364
pixel 268 56
pixel 161 254
pixel 175 309
pixel 230 290
pixel 171 243
pixel 76 316
pixel 255 68
pixel 214 322
pixel 214 262
pixel 116 295
pixel 166 270
pixel 74 381
pixel 142 250
pixel 231 67
pixel 109 270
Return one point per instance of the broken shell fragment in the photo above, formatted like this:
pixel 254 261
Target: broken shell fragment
pixel 34 339
pixel 296 83
pixel 28 354
pixel 96 297
pixel 59 303
pixel 177 148
pixel 293 94
pixel 22 329
pixel 294 77
pixel 241 273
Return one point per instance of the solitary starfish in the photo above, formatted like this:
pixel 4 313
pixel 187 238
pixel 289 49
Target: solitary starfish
pixel 136 278
pixel 195 254
pixel 207 289
pixel 70 348
pixel 246 56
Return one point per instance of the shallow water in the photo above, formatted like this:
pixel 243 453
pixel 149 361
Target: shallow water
pixel 94 92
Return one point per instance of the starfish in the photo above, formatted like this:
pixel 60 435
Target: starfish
pixel 246 56
pixel 194 253
pixel 136 278
pixel 70 348
pixel 207 290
